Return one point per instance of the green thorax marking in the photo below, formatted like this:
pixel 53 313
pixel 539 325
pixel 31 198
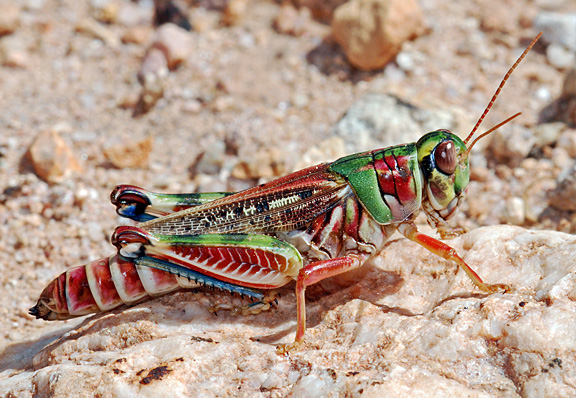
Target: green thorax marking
pixel 359 171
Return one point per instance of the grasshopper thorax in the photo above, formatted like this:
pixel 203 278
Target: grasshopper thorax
pixel 443 160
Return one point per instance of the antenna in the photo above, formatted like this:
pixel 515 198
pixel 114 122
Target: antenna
pixel 489 131
pixel 498 93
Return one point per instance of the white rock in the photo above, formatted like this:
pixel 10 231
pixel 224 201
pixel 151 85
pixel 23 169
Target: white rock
pixel 560 56
pixel 407 325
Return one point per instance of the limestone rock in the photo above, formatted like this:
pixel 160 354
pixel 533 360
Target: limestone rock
pixel 10 18
pixel 129 154
pixel 51 158
pixel 371 32
pixel 407 325
pixel 174 42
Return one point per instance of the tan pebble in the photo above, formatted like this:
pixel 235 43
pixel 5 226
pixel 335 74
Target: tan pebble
pixel 154 66
pixel 9 18
pixel 321 10
pixel 105 11
pixel 13 53
pixel 371 32
pixel 51 158
pixel 174 42
pixel 234 12
pixel 292 21
pixel 130 154
pixel 90 27
pixel 136 34
pixel 567 140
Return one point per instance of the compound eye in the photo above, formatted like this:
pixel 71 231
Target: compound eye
pixel 445 156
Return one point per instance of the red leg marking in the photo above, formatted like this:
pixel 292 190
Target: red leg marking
pixel 315 272
pixel 441 249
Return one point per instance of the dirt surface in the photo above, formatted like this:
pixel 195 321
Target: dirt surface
pixel 264 98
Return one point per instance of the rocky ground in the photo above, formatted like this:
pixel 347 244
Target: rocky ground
pixel 95 95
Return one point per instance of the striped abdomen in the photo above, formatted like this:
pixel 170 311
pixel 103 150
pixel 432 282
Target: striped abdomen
pixel 102 285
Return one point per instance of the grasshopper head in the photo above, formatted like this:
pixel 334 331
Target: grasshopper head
pixel 443 159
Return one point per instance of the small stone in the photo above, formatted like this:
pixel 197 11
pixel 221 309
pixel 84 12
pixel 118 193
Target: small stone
pixel 105 11
pixel 564 196
pixel 9 18
pixel 154 66
pixel 210 161
pixel 569 85
pixel 129 154
pixel 371 32
pixel 13 52
pixel 559 56
pixel 132 14
pixel 264 164
pixel 151 76
pixel 491 21
pixel 510 145
pixel 192 106
pixel 567 140
pixel 51 158
pixel 560 158
pixel 174 42
pixel 322 10
pixel 291 21
pixel 327 151
pixel 564 108
pixel 234 12
pixel 136 34
pixel 514 211
pixel 558 28
pixel 547 133
pixel 381 120
pixel 90 27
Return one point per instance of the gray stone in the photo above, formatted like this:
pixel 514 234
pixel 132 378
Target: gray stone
pixel 559 28
pixel 381 120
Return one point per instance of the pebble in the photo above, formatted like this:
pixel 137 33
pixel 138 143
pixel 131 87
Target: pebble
pixel 564 196
pixel 210 161
pixel 381 120
pixel 234 12
pixel 154 66
pixel 510 145
pixel 136 34
pixel 292 21
pixel 567 141
pixel 559 56
pixel 9 18
pixel 265 164
pixel 569 85
pixel 192 106
pixel 133 14
pixel 92 28
pixel 371 32
pixel 174 42
pixel 129 154
pixel 560 158
pixel 153 70
pixel 514 211
pixel 558 28
pixel 105 11
pixel 322 10
pixel 13 52
pixel 51 158
pixel 547 133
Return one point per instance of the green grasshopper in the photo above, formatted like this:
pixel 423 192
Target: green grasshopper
pixel 307 226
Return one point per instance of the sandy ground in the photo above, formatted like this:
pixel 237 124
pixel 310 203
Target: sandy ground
pixel 249 87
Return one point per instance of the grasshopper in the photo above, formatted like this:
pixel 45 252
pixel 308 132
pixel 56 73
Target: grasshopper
pixel 307 226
